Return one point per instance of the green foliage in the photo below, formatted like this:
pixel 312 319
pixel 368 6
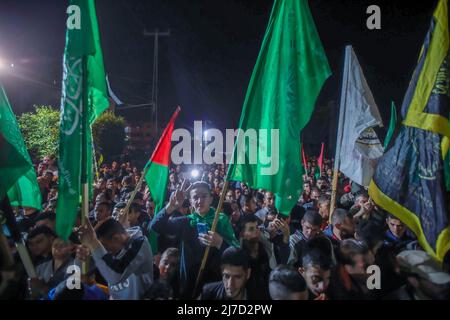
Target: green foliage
pixel 109 135
pixel 40 130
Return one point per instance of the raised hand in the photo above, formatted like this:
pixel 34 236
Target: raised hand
pixel 88 237
pixel 177 197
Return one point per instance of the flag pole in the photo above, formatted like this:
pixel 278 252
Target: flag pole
pixel 125 211
pixel 213 229
pixel 340 130
pixel 6 251
pixel 122 215
pixel 84 141
pixel 97 176
pixel 16 236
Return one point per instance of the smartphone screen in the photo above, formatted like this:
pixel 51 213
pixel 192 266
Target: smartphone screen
pixel 202 228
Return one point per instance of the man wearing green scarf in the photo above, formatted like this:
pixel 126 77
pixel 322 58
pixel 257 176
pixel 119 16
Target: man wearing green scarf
pixel 192 231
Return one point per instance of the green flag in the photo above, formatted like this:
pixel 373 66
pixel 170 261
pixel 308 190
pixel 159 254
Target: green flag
pixel 287 78
pixel 17 176
pixel 392 126
pixel 25 192
pixel 84 84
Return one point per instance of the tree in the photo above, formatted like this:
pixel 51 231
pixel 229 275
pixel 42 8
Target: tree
pixel 109 135
pixel 40 130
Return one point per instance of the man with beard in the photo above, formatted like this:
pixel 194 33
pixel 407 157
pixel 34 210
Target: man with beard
pixel 261 253
pixel 236 272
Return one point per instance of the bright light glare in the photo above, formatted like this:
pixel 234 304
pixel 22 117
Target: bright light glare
pixel 195 173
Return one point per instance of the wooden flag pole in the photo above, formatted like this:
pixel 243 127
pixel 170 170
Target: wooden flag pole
pixel 84 153
pixel 213 229
pixel 16 236
pixel 124 214
pixel 340 130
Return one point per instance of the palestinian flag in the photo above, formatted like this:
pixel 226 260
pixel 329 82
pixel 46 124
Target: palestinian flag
pixel 157 169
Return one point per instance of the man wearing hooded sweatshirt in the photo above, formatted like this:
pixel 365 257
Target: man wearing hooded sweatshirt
pixel 123 257
pixel 192 231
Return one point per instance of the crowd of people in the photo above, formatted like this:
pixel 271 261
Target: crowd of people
pixel 255 251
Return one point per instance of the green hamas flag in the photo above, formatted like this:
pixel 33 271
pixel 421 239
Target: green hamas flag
pixel 17 176
pixel 25 192
pixel 287 78
pixel 392 126
pixel 84 98
pixel 410 180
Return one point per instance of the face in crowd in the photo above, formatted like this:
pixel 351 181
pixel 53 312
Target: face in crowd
pixel 251 232
pixel 307 188
pixel 309 230
pixel 40 245
pixel 62 250
pixel 269 200
pixel 169 264
pixel 397 227
pixel 315 194
pixel 317 279
pixel 201 200
pixel 234 280
pixel 237 194
pixel 230 196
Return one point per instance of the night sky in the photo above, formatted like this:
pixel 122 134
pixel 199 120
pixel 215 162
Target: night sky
pixel 206 63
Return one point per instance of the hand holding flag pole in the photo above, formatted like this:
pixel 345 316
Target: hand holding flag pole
pixel 213 229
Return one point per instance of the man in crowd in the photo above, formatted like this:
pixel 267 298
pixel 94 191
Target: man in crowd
pixel 192 231
pixel 311 224
pixel 268 208
pixel 285 283
pixel 342 227
pixel 396 236
pixel 235 274
pixel 39 242
pixel 123 257
pixel 316 270
pixel 350 280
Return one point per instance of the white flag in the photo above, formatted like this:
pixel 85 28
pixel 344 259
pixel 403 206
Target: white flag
pixel 358 146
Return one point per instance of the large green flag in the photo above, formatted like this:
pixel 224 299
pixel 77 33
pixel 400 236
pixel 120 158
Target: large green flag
pixel 287 78
pixel 84 84
pixel 17 176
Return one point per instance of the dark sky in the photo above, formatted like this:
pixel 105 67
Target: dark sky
pixel 206 63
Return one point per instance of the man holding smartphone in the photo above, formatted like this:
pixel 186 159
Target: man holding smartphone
pixel 194 235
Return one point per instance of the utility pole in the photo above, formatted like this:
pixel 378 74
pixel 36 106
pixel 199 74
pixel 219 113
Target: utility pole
pixel 156 34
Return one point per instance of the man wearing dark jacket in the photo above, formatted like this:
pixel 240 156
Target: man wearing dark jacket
pixel 235 274
pixel 192 231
